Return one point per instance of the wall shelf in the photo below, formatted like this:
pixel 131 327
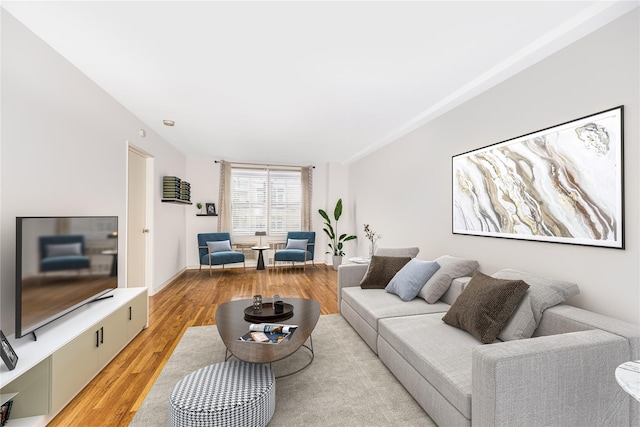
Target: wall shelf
pixel 4 398
pixel 206 214
pixel 178 201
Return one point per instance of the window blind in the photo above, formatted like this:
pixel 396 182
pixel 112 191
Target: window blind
pixel 265 200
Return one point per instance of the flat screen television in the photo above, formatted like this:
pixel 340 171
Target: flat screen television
pixel 62 263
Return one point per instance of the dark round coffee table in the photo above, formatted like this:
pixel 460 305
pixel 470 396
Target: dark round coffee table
pixel 232 325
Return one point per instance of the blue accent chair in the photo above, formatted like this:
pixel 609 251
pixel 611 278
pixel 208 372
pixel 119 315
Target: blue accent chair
pixel 297 255
pixel 217 258
pixel 65 252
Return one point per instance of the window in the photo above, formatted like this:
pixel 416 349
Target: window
pixel 265 200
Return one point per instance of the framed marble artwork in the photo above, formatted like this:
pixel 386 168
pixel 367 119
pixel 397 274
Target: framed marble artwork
pixel 562 184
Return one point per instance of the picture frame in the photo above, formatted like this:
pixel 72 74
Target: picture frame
pixel 211 208
pixel 562 184
pixel 9 357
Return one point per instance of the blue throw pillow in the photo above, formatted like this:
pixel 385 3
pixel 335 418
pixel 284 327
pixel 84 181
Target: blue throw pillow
pixel 220 246
pixel 411 278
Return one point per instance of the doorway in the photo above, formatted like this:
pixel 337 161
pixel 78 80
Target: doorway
pixel 138 218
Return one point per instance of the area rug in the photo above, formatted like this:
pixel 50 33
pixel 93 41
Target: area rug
pixel 346 385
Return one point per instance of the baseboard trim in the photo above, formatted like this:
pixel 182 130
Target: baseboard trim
pixel 167 282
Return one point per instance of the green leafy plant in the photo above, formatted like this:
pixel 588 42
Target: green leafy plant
pixel 336 241
pixel 199 205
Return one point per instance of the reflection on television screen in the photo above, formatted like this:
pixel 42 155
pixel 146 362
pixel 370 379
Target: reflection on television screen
pixel 62 263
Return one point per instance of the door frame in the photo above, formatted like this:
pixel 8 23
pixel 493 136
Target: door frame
pixel 149 165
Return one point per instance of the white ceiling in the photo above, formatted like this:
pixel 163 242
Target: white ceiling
pixel 302 82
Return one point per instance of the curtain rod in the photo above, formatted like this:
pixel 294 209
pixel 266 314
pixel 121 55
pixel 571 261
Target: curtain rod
pixel 267 165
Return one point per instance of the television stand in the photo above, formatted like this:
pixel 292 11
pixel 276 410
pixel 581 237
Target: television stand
pixel 101 298
pixel 68 354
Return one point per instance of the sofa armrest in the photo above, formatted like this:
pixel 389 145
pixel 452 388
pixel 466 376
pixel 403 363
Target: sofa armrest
pixel 565 379
pixel 564 318
pixel 350 275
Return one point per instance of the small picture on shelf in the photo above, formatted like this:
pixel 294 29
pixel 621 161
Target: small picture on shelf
pixel 9 356
pixel 5 411
pixel 211 209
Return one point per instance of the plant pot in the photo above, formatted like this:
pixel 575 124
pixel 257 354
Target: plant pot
pixel 337 260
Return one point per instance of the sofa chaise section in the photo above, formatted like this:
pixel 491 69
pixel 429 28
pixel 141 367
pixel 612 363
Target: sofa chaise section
pixel 559 379
pixel 433 361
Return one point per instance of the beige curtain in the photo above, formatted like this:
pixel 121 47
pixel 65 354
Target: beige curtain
pixel 307 191
pixel 63 226
pixel 224 198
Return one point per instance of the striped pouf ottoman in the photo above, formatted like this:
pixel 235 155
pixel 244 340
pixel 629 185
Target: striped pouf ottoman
pixel 225 394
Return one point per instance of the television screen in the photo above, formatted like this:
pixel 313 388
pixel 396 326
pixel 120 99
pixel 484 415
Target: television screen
pixel 62 263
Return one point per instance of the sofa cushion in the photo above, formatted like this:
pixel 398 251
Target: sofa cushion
pixel 374 304
pixel 400 252
pixel 225 257
pixel 381 270
pixel 485 305
pixel 542 294
pixel 450 268
pixel 454 291
pixel 441 353
pixel 411 278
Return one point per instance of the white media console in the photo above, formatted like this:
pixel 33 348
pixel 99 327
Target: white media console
pixel 68 354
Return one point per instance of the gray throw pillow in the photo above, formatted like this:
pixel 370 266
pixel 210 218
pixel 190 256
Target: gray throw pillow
pixel 450 268
pixel 297 244
pixel 63 249
pixel 411 278
pixel 381 271
pixel 542 294
pixel 485 305
pixel 219 246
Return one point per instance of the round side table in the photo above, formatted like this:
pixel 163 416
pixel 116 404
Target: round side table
pixel 628 376
pixel 260 250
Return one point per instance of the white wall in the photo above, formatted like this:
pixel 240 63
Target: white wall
pixel 204 176
pixel 404 190
pixel 336 188
pixel 64 152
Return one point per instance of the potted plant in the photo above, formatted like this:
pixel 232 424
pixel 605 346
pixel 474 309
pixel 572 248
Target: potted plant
pixel 336 241
pixel 199 206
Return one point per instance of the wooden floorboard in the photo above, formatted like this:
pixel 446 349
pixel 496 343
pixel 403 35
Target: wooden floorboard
pixel 114 396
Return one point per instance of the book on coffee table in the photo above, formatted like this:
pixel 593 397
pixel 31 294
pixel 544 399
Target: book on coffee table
pixel 272 327
pixel 268 333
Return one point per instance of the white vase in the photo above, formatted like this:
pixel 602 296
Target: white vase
pixel 337 260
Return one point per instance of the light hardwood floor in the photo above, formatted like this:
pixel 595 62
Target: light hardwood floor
pixel 113 397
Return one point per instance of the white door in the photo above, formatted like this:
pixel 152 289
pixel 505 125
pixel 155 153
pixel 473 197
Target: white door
pixel 137 230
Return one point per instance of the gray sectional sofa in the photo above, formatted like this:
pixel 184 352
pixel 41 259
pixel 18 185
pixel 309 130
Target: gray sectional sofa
pixel 562 376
